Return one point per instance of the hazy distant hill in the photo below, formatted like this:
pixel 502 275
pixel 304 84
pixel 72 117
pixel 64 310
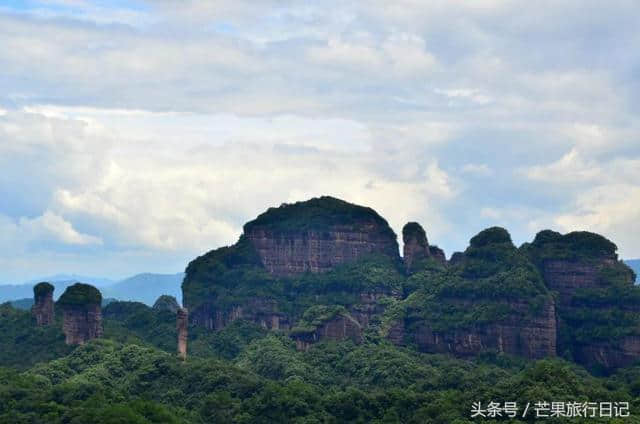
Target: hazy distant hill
pixel 94 281
pixel 61 282
pixel 146 288
pixel 635 265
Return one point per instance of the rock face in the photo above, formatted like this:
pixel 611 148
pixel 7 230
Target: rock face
pixel 583 269
pixel 568 276
pixel 42 309
pixel 317 235
pixel 519 334
pixel 416 246
pixel 490 299
pixel 261 311
pixel 294 265
pixel 82 313
pixel 182 325
pixel 340 327
pixel 166 303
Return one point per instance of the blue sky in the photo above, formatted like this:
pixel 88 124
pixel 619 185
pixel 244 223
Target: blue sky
pixel 137 135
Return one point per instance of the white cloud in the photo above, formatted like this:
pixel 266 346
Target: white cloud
pixel 159 130
pixel 50 225
pixel 480 169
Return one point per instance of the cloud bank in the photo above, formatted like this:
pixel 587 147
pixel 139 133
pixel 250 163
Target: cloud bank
pixel 137 135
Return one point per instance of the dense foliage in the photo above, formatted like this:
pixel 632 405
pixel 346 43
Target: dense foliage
pixel 270 382
pixel 318 214
pixel 246 374
pixel 41 289
pixel 577 245
pixel 476 290
pixel 80 294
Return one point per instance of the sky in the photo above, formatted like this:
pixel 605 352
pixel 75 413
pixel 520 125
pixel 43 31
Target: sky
pixel 137 135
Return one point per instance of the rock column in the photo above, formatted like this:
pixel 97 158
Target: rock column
pixel 42 309
pixel 416 246
pixel 182 325
pixel 82 313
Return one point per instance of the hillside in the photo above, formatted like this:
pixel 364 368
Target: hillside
pixel 325 322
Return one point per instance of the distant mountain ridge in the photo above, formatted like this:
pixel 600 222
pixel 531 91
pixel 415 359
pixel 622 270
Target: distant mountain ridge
pixel 145 288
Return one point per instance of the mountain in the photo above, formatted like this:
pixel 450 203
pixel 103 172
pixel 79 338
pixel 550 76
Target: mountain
pixel 146 288
pixel 634 264
pixel 312 316
pixel 326 269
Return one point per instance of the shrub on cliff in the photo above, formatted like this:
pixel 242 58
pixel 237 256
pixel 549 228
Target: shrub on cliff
pixel 80 294
pixel 574 246
pixel 318 214
pixel 41 289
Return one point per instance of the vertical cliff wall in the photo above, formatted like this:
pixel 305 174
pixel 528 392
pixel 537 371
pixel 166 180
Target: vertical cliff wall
pixel 598 304
pixel 82 313
pixel 42 309
pixel 317 235
pixel 253 279
pixel 491 299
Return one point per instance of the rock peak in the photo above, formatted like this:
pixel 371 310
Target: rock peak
pixel 489 236
pixel 416 245
pixel 42 308
pixel 82 313
pixel 317 234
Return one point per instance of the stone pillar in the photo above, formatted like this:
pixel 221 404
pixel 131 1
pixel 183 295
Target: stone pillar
pixel 416 246
pixel 42 309
pixel 182 326
pixel 82 313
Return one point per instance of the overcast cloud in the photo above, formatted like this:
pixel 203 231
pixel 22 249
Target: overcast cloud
pixel 137 135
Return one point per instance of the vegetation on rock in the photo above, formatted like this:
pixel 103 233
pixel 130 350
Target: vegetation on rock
pixel 80 294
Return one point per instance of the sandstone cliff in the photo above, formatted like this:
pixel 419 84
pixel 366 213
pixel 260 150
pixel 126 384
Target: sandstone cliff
pixel 416 249
pixel 317 235
pixel 559 295
pixel 599 306
pixel 326 323
pixel 82 313
pixel 42 309
pixel 291 258
pixel 491 299
pixel 166 303
pixel 416 246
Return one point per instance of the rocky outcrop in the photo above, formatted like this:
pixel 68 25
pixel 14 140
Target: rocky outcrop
pixel 623 353
pixel 166 303
pixel 476 305
pixel 42 309
pixel 82 313
pixel 339 327
pixel 261 311
pixel 567 276
pixel 316 235
pixel 583 269
pixel 520 333
pixel 182 324
pixel 416 246
pixel 437 254
pixel 370 305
